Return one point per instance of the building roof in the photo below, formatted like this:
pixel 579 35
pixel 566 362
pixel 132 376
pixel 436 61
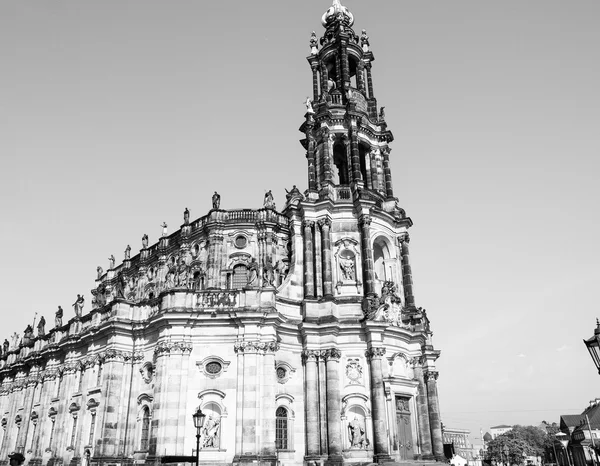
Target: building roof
pixel 502 426
pixel 571 420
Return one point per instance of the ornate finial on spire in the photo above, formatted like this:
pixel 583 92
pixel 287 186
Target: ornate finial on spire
pixel 335 11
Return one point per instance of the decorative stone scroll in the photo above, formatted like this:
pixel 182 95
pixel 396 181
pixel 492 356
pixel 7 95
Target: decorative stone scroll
pixel 168 347
pixel 375 353
pixel 255 346
pixel 217 299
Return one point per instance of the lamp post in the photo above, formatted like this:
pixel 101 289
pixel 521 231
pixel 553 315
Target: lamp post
pixel 593 346
pixel 199 417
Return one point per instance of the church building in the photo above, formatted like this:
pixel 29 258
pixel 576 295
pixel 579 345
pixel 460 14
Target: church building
pixel 295 331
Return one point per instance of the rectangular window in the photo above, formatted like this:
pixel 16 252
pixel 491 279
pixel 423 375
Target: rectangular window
pixel 74 432
pixel 92 428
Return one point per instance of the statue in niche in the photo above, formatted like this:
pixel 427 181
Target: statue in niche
pixel 282 270
pixel 268 202
pixel 356 434
pixel 268 275
pixel 253 273
pixel 164 228
pixel 182 273
pixel 210 432
pixel 313 43
pixel 309 107
pixel 170 280
pixel 121 283
pixel 216 200
pixel 330 85
pixel 58 317
pixel 347 268
pixel 5 346
pixel 100 272
pixel 364 40
pixel 41 327
pixel 186 216
pixel 128 252
pixel 145 241
pixel 78 305
pixel 111 262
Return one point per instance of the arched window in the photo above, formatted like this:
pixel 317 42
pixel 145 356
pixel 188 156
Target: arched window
pixel 281 429
pixel 340 159
pixel 240 277
pixel 145 430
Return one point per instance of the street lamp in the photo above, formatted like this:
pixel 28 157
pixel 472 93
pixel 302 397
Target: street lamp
pixel 199 417
pixel 593 345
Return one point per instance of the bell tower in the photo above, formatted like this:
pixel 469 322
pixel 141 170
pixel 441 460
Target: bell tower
pixel 346 134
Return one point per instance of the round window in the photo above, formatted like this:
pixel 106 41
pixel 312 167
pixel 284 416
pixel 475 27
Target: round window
pixel 240 242
pixel 213 367
pixel 281 373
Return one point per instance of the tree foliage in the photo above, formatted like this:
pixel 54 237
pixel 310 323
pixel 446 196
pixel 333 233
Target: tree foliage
pixel 512 446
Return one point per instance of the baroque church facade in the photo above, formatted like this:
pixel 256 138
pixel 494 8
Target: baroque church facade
pixel 296 331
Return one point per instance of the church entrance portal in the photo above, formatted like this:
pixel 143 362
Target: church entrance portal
pixel 405 442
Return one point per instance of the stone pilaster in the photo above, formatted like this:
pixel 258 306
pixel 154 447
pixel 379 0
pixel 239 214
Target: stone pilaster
pixel 30 388
pixel 334 406
pixel 407 282
pixel 389 192
pixel 345 64
pixel 360 76
pixel 179 361
pixel 318 263
pixel 434 414
pixel 322 401
pixel 311 395
pixel 310 156
pixel 367 255
pixel 423 414
pixel 325 225
pixel 108 441
pixel 309 280
pixel 374 171
pixel 268 405
pixel 381 447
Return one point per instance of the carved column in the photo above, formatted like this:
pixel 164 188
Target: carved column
pixel 324 78
pixel 345 64
pixel 325 225
pixel 367 253
pixel 356 173
pixel 310 156
pixel 309 280
pixel 389 192
pixel 423 413
pixel 348 151
pixel 334 405
pixel 374 355
pixel 323 401
pixel 406 272
pixel 369 79
pixel 315 66
pixel 360 76
pixel 311 387
pixel 434 415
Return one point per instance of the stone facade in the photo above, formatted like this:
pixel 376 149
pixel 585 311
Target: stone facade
pixel 295 331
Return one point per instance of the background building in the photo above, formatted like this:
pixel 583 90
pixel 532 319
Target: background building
pixel 296 330
pixel 499 430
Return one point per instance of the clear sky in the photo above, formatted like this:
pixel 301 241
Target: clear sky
pixel 115 116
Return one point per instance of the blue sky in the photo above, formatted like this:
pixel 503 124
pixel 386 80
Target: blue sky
pixel 116 116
